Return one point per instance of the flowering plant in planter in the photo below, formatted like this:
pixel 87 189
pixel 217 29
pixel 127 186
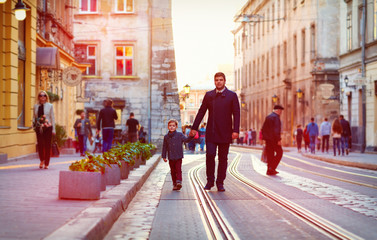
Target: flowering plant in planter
pixel 90 164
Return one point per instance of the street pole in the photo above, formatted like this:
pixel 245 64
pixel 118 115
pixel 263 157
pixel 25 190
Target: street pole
pixel 363 89
pixel 150 74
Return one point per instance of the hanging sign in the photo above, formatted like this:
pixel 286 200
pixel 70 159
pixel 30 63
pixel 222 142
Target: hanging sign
pixel 72 76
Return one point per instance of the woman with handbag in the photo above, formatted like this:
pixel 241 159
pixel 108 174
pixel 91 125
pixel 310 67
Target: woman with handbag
pixel 44 127
pixel 84 131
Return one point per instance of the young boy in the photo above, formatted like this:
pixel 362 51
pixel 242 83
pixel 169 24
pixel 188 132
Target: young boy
pixel 173 146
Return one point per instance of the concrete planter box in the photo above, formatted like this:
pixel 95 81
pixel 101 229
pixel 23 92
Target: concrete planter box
pixel 124 170
pixel 79 185
pixel 143 161
pixel 112 174
pixel 103 182
pixel 137 161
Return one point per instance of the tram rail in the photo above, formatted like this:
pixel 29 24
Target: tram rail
pixel 216 225
pixel 330 229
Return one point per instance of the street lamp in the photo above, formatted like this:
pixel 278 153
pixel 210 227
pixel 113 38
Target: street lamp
pixel 3 1
pixel 54 28
pixel 20 10
pixel 275 98
pixel 346 81
pixel 300 93
pixel 186 88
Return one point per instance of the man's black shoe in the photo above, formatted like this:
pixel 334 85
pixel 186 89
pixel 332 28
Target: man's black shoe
pixel 220 188
pixel 179 186
pixel 208 186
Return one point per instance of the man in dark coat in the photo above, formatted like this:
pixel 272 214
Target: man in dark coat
pixel 271 130
pixel 222 127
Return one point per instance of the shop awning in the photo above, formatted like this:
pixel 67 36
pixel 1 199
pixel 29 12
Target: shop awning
pixel 48 57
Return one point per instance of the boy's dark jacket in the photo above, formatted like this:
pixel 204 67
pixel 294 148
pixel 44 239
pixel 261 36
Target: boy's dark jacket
pixel 173 145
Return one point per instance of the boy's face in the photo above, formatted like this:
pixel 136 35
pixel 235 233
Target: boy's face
pixel 172 127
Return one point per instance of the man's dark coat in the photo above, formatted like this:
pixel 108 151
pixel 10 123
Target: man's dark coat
pixel 221 108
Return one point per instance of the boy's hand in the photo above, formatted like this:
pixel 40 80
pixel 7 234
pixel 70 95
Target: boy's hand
pixel 192 133
pixel 165 160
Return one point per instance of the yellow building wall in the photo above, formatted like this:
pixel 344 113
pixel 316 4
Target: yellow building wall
pixel 15 141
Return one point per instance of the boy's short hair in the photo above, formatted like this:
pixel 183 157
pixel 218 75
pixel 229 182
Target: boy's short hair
pixel 174 121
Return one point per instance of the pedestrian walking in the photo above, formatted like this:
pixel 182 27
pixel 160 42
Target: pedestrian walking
pixel 254 136
pixel 299 136
pixel 306 139
pixel 313 134
pixel 241 136
pixel 133 127
pixel 106 121
pixel 142 135
pixel 325 134
pixel 173 150
pixel 271 131
pixel 222 126
pixel 44 127
pixel 84 130
pixel 250 136
pixel 336 132
pixel 202 136
pixel 346 134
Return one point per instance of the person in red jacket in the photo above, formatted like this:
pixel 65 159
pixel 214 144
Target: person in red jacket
pixel 306 138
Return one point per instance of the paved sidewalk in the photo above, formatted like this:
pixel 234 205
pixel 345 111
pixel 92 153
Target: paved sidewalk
pixel 31 209
pixel 354 159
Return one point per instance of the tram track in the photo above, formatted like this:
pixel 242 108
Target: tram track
pixel 326 175
pixel 330 229
pixel 216 225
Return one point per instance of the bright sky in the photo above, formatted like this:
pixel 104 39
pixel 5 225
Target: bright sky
pixel 202 38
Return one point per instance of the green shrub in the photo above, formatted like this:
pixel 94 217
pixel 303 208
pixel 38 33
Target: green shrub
pixel 61 135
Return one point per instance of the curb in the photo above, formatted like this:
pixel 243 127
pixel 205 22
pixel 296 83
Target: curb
pixel 96 221
pixel 368 166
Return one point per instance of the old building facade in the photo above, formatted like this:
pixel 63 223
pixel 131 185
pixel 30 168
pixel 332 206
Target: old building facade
pixel 358 70
pixel 17 80
pixel 283 47
pixel 129 45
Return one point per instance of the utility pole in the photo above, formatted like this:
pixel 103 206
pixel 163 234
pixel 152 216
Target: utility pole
pixel 363 88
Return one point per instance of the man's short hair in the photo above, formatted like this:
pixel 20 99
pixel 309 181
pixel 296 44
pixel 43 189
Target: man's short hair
pixel 325 119
pixel 341 116
pixel 132 114
pixel 109 102
pixel 174 121
pixel 219 74
pixel 312 119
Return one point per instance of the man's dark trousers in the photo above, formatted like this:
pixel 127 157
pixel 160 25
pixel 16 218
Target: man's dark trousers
pixel 325 141
pixel 273 160
pixel 223 149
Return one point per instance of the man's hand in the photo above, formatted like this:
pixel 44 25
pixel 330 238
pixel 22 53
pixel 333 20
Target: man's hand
pixel 192 133
pixel 97 131
pixel 234 135
pixel 165 160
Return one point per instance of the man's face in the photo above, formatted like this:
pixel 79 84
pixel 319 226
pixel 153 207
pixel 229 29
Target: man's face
pixel 279 111
pixel 219 82
pixel 172 127
pixel 82 115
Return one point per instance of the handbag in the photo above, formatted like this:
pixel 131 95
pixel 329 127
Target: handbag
pixel 264 155
pixel 55 149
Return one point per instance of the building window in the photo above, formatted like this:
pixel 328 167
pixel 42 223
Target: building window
pixel 312 42
pixel 303 46
pixel 285 57
pixel 88 6
pixel 124 60
pixel 375 20
pixel 249 73
pixel 21 74
pixel 278 61
pixel 91 56
pixel 360 34
pixel 349 31
pixel 254 72
pixel 272 62
pixel 124 6
pixel 295 50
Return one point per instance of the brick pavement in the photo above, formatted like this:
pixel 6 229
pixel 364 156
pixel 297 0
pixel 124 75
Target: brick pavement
pixel 31 208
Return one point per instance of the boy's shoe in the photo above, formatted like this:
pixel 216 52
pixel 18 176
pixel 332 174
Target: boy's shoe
pixel 179 186
pixel 175 188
